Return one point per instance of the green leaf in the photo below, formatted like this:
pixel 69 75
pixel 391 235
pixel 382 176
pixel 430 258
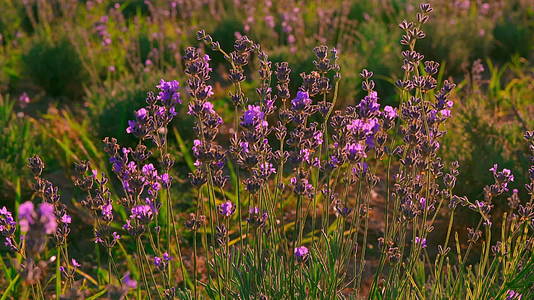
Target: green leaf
pixel 97 295
pixel 10 287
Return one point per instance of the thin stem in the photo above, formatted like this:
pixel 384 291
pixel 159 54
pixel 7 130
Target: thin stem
pixel 142 268
pixel 195 264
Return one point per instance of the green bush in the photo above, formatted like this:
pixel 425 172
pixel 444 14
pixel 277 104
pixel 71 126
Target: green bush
pixel 512 38
pixel 56 68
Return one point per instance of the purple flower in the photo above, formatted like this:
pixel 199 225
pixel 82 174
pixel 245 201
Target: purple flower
pixel 256 217
pixel 422 202
pixel 502 179
pixel 172 112
pixel 266 169
pixel 26 216
pixel 363 127
pixel 107 211
pixel 169 94
pixel 206 59
pixel 197 144
pixel 305 154
pixel 301 186
pixel 24 99
pixel 6 219
pixel 162 262
pixel 291 39
pixel 227 209
pixel 334 161
pixel 389 112
pixel 355 151
pixel 148 63
pixel 244 146
pixel 166 180
pixel 253 118
pixel 137 124
pixel 318 137
pixel 269 20
pixel 505 174
pixel 301 253
pixel 207 92
pixel 207 107
pixel 132 125
pixel 360 169
pixel 128 282
pixel 149 171
pixel 9 243
pixel 301 102
pixel 143 213
pixel 127 226
pixel 7 229
pixel 513 295
pixel 66 219
pixel 166 256
pixel 141 114
pixel 101 30
pixel 217 164
pixel 368 106
pixel 158 262
pixel 161 111
pixel 131 168
pixel 420 241
pixel 47 217
pixel 340 209
pixel 446 113
pixel 75 263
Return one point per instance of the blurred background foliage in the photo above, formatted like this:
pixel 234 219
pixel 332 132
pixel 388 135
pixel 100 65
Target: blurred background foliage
pixel 87 65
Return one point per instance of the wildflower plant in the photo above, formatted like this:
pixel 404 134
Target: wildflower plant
pixel 284 202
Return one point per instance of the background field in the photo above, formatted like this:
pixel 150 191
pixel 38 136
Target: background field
pixel 73 72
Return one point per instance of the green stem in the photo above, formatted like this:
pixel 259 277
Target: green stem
pixel 58 273
pixel 142 267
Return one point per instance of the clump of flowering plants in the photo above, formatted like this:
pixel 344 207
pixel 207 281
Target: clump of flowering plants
pixel 284 210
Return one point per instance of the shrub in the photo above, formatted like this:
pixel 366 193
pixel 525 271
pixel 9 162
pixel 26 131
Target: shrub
pixel 56 68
